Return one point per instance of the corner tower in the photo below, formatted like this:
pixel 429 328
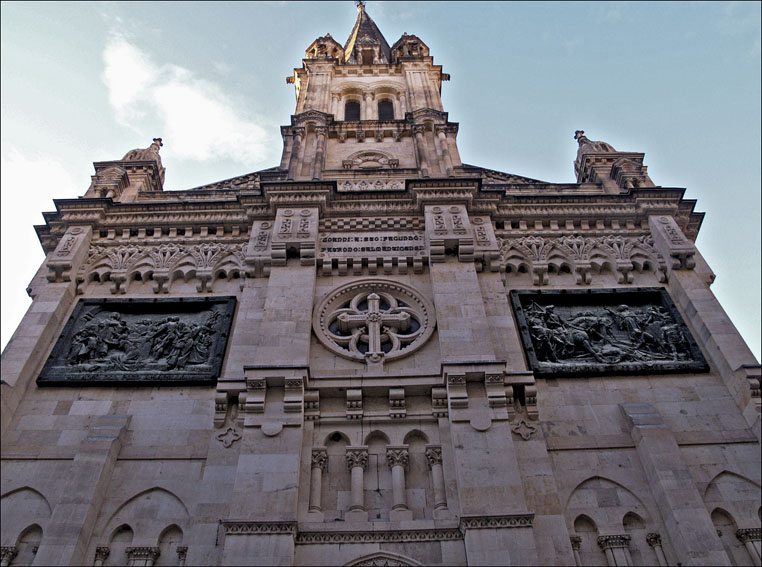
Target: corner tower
pixel 367 106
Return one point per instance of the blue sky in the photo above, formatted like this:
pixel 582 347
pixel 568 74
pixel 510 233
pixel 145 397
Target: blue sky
pixel 85 82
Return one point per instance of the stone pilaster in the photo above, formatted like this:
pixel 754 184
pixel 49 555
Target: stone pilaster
pixel 73 519
pixel 688 524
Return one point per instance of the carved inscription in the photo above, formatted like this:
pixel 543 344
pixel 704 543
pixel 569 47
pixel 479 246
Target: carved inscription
pixel 383 243
pixel 141 342
pixel 605 332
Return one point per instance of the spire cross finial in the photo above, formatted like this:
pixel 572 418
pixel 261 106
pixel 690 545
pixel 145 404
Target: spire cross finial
pixel 360 4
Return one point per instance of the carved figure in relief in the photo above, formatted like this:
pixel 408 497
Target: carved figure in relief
pixel 111 343
pixel 605 335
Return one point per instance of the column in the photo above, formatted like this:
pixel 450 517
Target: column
pixel 317 166
pixel 616 548
pixel 750 537
pixel 367 111
pixel 293 162
pixel 654 540
pixel 397 110
pixel 357 462
pixel 434 459
pixel 403 105
pixel 397 458
pixel 335 105
pixel 7 554
pixel 576 541
pixel 441 130
pixel 101 554
pixel 319 461
pixel 420 147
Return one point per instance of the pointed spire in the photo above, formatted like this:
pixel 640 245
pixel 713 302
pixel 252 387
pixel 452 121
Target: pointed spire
pixel 366 43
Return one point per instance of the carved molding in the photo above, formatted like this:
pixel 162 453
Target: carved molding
pixel 581 256
pixel 259 528
pixel 492 522
pixel 395 536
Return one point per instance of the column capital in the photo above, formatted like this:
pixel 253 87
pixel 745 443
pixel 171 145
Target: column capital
pixel 418 128
pixel 576 542
pixel 397 456
pixel 102 553
pixel 611 541
pixel 182 552
pixel 749 534
pixel 298 131
pixel 319 458
pixel 357 457
pixel 321 130
pixel 7 554
pixel 143 553
pixel 433 455
pixel 653 539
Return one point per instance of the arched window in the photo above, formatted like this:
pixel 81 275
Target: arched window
pixel 352 110
pixel 385 110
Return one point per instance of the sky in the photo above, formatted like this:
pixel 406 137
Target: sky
pixel 88 81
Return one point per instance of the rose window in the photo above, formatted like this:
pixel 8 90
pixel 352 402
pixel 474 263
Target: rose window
pixel 374 320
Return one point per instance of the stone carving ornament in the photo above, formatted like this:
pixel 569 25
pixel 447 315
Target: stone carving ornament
pixel 605 332
pixel 139 342
pixel 374 320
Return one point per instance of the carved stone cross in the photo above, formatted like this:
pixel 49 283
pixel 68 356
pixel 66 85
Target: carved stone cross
pixel 373 319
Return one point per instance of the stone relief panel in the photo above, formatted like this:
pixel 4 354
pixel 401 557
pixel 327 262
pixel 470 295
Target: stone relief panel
pixel 140 342
pixel 608 331
pixel 374 320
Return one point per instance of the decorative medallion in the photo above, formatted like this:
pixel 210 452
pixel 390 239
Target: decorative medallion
pixel 605 331
pixel 136 342
pixel 374 320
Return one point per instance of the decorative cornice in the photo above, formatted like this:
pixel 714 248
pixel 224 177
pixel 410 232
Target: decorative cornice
pixel 610 541
pixel 259 528
pixel 492 522
pixel 394 536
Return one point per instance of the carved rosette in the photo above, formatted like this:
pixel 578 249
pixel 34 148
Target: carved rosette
pixel 319 459
pixel 374 320
pixel 357 458
pixel 397 457
pixel 611 541
pixel 433 456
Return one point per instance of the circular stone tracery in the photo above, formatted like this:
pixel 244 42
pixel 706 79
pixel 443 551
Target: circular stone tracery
pixel 373 320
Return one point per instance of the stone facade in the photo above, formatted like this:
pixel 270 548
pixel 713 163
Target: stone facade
pixel 374 399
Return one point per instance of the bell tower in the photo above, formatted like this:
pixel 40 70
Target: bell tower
pixel 367 107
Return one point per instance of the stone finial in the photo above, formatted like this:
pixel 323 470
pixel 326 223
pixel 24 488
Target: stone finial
pixel 149 153
pixel 579 135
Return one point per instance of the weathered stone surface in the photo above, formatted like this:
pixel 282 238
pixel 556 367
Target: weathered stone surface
pixel 375 404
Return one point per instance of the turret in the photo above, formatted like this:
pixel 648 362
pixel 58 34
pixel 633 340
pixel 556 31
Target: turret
pixel 139 171
pixel 599 162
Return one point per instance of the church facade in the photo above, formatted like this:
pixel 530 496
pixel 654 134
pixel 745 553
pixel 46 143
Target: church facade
pixel 376 354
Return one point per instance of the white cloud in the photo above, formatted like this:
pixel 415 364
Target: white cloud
pixel 29 183
pixel 197 120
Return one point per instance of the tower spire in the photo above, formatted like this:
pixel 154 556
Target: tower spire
pixel 366 44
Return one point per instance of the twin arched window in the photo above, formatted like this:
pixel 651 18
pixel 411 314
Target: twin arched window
pixel 385 110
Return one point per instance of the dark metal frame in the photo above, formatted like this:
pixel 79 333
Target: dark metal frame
pixel 57 372
pixel 636 297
